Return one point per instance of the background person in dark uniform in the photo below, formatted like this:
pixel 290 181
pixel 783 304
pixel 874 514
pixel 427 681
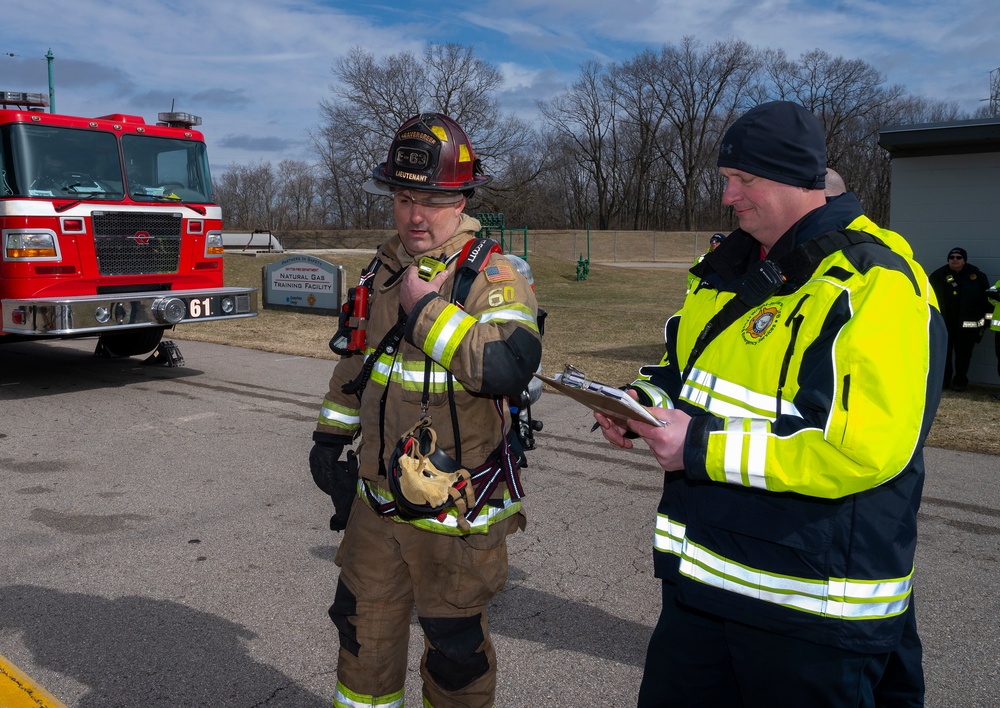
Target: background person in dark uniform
pixel 961 292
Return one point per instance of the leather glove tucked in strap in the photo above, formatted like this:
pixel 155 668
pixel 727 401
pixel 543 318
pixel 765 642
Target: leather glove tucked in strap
pixel 336 478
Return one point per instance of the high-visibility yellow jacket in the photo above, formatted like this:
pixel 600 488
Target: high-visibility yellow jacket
pixel 490 347
pixel 993 295
pixel 796 510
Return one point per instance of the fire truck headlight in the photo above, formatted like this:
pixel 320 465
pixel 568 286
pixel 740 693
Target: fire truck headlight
pixel 213 244
pixel 169 310
pixel 228 305
pixel 28 245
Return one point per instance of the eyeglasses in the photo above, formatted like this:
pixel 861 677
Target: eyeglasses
pixel 955 258
pixel 429 199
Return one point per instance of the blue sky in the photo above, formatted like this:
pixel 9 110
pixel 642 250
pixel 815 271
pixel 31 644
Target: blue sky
pixel 255 70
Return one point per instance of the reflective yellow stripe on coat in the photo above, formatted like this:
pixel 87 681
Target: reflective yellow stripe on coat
pixel 840 598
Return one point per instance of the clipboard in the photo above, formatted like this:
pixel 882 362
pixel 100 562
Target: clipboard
pixel 612 402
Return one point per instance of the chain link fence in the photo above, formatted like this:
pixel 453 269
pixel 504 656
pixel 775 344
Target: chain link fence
pixel 570 245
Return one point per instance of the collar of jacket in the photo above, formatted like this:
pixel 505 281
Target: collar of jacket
pixel 396 258
pixel 723 267
pixel 967 270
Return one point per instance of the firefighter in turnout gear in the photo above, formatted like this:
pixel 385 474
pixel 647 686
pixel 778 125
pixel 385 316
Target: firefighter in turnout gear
pixel 806 369
pixel 450 334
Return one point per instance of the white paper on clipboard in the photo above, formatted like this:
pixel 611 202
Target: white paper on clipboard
pixel 611 401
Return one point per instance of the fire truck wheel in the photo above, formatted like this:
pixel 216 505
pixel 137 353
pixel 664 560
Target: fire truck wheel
pixel 132 343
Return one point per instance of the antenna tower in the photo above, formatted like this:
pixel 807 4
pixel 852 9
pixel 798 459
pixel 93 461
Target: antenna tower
pixel 995 92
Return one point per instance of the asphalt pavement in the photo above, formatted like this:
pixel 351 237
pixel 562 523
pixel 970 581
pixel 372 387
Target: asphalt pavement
pixel 165 545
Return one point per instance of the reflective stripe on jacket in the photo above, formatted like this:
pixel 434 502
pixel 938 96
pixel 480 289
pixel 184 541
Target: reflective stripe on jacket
pixel 994 299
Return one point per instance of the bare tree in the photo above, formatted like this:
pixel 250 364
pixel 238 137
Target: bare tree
pixel 701 93
pixel 585 119
pixel 247 196
pixel 626 145
pixel 839 91
pixel 867 168
pixel 298 197
pixel 372 98
pixel 642 115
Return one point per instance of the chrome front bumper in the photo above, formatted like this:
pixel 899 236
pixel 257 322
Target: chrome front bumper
pixel 95 314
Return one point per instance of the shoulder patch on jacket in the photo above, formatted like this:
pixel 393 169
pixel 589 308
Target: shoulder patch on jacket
pixel 498 273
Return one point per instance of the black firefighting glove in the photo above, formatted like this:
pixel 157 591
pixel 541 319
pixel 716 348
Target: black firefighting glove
pixel 337 478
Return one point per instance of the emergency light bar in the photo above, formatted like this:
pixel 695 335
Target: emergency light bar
pixel 179 120
pixel 20 98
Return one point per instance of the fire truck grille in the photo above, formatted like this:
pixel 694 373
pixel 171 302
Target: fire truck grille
pixel 125 289
pixel 137 243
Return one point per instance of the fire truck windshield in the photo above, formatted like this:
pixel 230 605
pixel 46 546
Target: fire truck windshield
pixel 162 169
pixel 47 161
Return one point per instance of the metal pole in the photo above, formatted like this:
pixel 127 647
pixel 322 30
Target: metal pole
pixel 52 86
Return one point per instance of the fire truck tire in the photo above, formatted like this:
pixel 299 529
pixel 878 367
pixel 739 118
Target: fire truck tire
pixel 132 343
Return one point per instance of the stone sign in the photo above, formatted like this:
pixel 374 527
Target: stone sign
pixel 303 283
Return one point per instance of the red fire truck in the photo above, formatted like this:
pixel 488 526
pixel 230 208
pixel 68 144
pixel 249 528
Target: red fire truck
pixel 108 228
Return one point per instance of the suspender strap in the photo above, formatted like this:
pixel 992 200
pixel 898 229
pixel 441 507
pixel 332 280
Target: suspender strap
pixel 767 277
pixel 471 261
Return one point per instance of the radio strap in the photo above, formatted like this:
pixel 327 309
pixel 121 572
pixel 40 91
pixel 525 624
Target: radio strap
pixel 767 277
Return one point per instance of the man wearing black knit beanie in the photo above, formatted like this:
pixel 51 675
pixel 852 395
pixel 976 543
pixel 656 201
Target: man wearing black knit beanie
pixel 961 293
pixel 804 370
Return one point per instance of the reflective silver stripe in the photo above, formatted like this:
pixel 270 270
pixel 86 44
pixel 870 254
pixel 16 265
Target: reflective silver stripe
pixel 659 398
pixel 669 535
pixel 410 375
pixel 747 435
pixel 343 417
pixel 727 399
pixel 449 525
pixel 732 461
pixel 509 315
pixel 447 332
pixel 414 377
pixel 346 698
pixel 757 453
pixel 840 598
pixel 970 324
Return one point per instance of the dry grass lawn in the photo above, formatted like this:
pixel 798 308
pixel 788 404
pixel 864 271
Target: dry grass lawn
pixel 608 325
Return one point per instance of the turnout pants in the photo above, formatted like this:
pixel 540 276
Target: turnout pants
pixel 386 569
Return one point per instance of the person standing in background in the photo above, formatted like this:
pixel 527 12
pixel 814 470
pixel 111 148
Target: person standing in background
pixel 961 293
pixel 713 243
pixel 993 296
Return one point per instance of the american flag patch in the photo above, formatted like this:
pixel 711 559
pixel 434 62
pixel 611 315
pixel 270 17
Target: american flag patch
pixel 497 273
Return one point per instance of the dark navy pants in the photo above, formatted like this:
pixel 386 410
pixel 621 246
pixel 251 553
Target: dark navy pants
pixel 697 659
